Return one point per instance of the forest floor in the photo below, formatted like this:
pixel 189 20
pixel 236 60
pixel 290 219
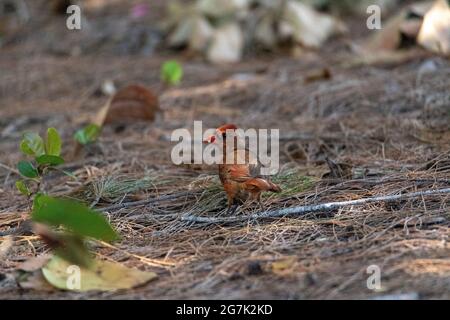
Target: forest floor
pixel 386 123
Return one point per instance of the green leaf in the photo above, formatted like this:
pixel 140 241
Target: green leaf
pixel 25 149
pixel 27 170
pixel 73 215
pixel 69 247
pixel 49 160
pixel 32 144
pixel 37 203
pixel 171 72
pixel 22 187
pixel 53 146
pixel 87 134
pixel 74 250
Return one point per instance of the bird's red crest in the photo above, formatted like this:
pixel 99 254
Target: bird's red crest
pixel 225 127
pixel 220 132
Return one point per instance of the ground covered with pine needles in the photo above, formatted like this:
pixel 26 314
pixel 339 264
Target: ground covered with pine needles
pixel 385 124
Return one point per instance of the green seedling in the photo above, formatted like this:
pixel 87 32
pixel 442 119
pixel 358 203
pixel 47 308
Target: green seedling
pixel 45 154
pixel 88 134
pixel 74 221
pixel 171 73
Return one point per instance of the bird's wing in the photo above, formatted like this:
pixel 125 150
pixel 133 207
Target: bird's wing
pixel 239 172
pixel 243 166
pixel 259 184
pixel 253 163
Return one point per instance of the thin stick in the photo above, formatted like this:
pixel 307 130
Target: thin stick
pixel 151 262
pixel 4 166
pixel 23 228
pixel 301 210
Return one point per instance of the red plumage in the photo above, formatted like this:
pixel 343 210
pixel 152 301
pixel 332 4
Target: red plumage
pixel 240 181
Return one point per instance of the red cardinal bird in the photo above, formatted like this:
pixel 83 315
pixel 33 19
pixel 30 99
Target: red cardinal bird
pixel 240 181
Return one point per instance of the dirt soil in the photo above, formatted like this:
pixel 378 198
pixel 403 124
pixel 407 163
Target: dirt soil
pixel 387 124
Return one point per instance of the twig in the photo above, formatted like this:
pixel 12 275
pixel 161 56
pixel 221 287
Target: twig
pixel 4 166
pixel 301 210
pixel 11 231
pixel 146 201
pixel 150 262
pixel 23 228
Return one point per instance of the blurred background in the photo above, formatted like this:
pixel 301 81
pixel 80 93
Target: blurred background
pixel 362 112
pixel 141 27
pixel 127 41
pixel 219 30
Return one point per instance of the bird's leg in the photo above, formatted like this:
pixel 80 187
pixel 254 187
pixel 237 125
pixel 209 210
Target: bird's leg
pixel 258 198
pixel 232 205
pixel 232 209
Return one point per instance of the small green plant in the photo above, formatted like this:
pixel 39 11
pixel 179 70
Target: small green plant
pixel 88 134
pixel 77 222
pixel 73 219
pixel 46 156
pixel 171 72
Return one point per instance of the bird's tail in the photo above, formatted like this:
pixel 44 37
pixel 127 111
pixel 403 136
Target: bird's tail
pixel 259 184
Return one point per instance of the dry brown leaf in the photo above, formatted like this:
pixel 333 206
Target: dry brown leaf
pixel 34 280
pixel 35 263
pixel 308 26
pixel 68 246
pixel 410 28
pixel 435 31
pixel 131 103
pixel 406 24
pixel 318 75
pixel 29 274
pixel 201 34
pixel 226 44
pixel 102 275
